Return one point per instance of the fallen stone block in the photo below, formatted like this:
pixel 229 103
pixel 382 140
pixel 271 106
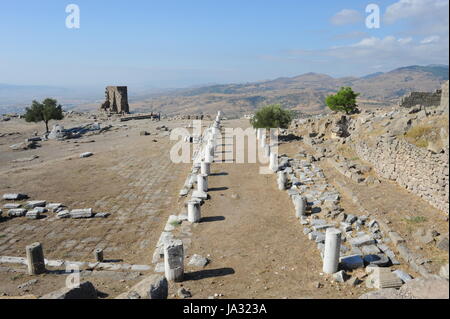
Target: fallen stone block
pixel 382 278
pixel 36 203
pixel 352 262
pixel 86 290
pixel 101 215
pixel 20 212
pixel 402 275
pixel 379 260
pixel 81 213
pixel 370 249
pixel 11 206
pixel 198 261
pixel 33 214
pixel 362 241
pixel 54 206
pixel 63 214
pixel 340 276
pixel 430 287
pixel 152 287
pixel 14 196
pixel 87 154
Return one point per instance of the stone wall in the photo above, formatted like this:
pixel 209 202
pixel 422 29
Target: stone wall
pixel 444 97
pixel 421 172
pixel 116 100
pixel 421 98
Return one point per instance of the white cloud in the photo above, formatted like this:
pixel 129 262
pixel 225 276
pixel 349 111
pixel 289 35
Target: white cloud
pixel 346 16
pixel 373 52
pixel 431 39
pixel 423 16
pixel 414 9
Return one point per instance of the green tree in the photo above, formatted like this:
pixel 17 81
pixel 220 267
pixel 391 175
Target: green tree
pixel 272 116
pixel 343 101
pixel 48 110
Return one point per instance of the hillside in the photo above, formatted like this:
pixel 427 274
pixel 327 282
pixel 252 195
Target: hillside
pixel 305 93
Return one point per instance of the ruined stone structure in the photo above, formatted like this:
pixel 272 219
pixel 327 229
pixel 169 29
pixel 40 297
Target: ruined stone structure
pixel 418 170
pixel 444 97
pixel 421 98
pixel 116 100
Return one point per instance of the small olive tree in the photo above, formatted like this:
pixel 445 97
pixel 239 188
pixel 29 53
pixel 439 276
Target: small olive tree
pixel 272 116
pixel 343 101
pixel 48 110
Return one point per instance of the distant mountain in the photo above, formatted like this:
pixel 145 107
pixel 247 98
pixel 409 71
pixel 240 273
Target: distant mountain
pixel 305 92
pixel 373 75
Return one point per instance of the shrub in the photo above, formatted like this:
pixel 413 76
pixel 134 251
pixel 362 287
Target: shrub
pixel 272 116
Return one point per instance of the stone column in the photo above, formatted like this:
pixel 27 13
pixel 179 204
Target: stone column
pixel 259 133
pixel 98 253
pixel 273 162
pixel 267 150
pixel 205 168
pixel 210 148
pixel 194 212
pixel 202 183
pixel 281 181
pixel 208 158
pixel 263 140
pixel 300 206
pixel 174 260
pixel 332 250
pixel 35 259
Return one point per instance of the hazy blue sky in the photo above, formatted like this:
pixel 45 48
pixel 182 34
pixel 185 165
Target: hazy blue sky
pixel 182 43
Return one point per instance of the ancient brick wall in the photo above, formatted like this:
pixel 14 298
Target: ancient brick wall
pixel 421 98
pixel 418 170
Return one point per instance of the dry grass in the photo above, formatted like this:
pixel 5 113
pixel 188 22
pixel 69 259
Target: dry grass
pixel 419 135
pixel 348 152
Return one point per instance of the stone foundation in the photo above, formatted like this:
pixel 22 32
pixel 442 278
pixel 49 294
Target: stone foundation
pixel 421 172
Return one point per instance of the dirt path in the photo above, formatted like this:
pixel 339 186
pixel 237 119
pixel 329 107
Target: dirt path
pixel 255 242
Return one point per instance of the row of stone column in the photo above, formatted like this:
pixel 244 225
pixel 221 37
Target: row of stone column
pixel 174 250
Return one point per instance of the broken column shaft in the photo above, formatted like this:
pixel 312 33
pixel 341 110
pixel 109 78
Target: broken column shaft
pixel 194 212
pixel 273 162
pixel 174 260
pixel 282 180
pixel 205 168
pixel 35 259
pixel 332 250
pixel 98 253
pixel 202 183
pixel 300 206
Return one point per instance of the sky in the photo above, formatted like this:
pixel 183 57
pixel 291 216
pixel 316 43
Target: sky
pixel 169 44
